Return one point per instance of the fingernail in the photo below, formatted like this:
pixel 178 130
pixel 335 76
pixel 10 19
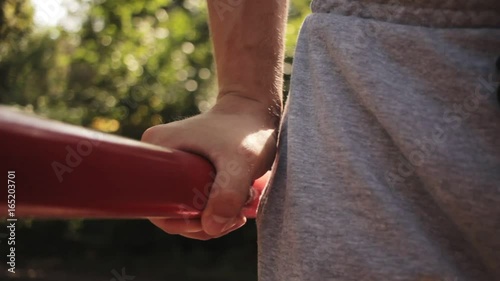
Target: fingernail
pixel 251 195
pixel 218 224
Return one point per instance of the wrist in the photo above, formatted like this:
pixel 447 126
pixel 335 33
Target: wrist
pixel 236 103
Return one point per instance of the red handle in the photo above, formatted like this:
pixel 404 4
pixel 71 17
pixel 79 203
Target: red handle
pixel 65 171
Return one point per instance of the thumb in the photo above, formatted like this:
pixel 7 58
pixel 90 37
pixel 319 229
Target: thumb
pixel 228 195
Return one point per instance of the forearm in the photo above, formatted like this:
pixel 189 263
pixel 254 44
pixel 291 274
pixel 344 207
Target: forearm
pixel 248 39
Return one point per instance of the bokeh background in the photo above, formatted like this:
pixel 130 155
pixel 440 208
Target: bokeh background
pixel 117 66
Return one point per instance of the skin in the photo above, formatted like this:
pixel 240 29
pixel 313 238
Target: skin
pixel 239 134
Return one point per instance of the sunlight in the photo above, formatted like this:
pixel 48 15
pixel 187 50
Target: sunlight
pixel 68 14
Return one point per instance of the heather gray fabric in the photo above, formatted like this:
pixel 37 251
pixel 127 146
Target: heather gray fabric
pixel 389 153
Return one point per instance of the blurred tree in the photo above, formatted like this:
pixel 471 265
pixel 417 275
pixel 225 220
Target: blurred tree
pixel 131 65
pixel 16 22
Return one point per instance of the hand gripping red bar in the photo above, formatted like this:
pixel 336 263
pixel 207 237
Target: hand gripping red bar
pixel 65 171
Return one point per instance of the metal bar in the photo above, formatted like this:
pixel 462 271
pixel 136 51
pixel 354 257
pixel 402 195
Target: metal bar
pixel 65 171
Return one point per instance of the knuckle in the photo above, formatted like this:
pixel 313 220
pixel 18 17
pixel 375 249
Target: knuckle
pixel 247 152
pixel 228 203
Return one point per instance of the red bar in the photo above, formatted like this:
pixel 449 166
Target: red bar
pixel 65 171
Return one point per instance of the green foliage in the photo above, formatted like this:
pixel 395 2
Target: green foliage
pixel 16 22
pixel 131 65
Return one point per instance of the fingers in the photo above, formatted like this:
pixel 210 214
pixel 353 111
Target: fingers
pixel 235 169
pixel 178 226
pixel 201 235
pixel 192 228
pixel 228 195
pixel 231 185
pixel 162 135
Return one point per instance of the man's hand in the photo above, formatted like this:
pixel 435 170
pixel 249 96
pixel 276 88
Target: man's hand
pixel 238 135
pixel 239 132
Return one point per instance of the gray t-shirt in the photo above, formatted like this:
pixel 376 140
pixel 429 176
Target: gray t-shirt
pixel 389 151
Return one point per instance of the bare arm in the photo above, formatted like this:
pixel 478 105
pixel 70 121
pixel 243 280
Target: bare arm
pixel 249 48
pixel 238 135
